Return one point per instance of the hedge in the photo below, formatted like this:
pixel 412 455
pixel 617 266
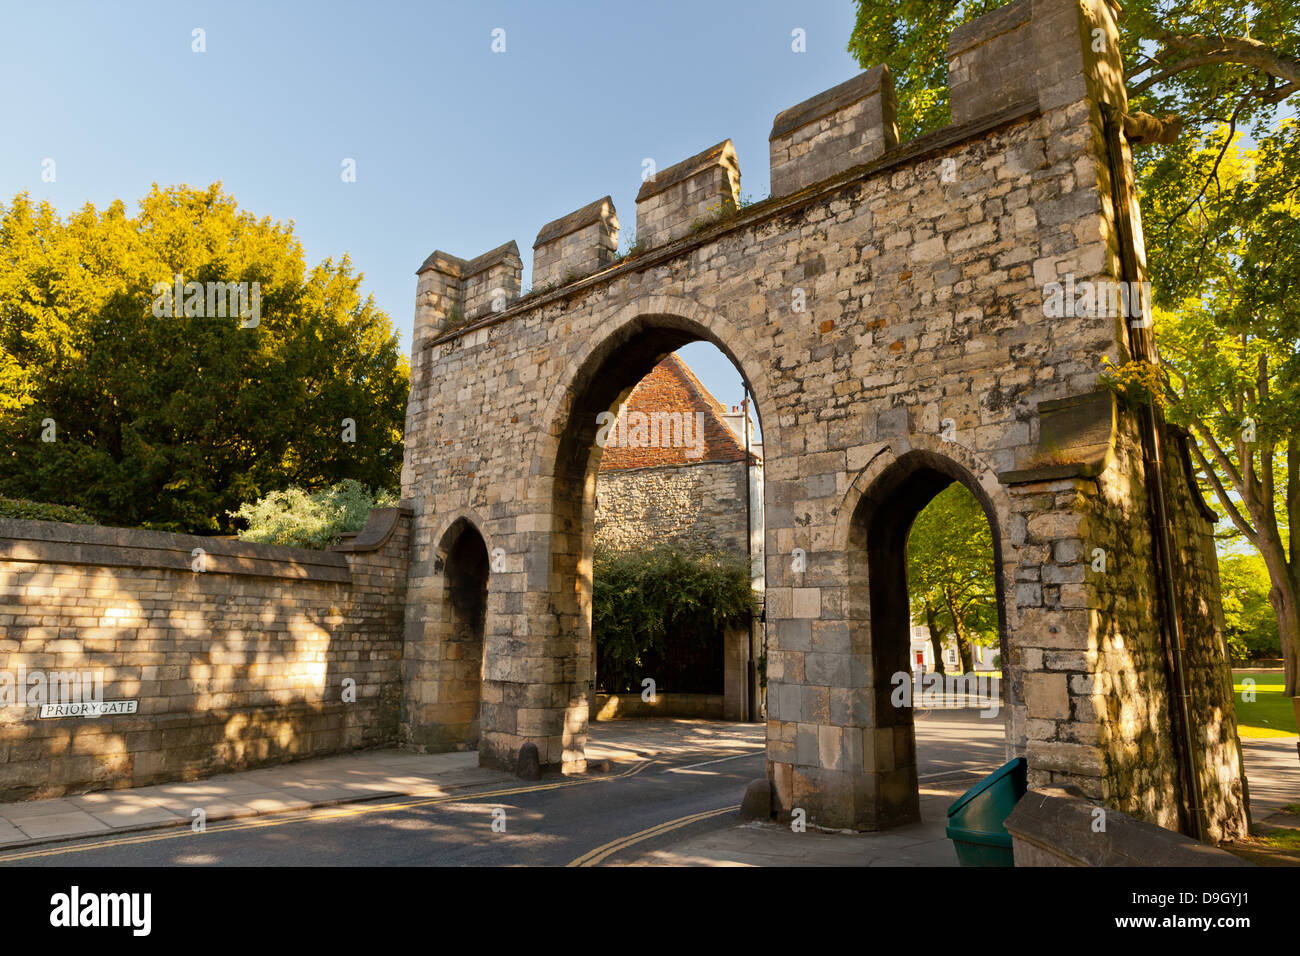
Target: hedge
pixel 40 511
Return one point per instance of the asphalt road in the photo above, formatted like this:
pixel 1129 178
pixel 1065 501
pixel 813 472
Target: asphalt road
pixel 598 819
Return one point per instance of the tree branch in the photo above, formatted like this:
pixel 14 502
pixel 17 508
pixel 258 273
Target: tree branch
pixel 1203 51
pixel 1212 476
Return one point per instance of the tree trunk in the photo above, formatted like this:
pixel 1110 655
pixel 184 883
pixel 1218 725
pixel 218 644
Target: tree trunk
pixel 935 643
pixel 1284 595
pixel 1286 604
pixel 963 644
pixel 963 650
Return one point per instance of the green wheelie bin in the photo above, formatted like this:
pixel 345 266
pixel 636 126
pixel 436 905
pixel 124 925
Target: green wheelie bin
pixel 975 819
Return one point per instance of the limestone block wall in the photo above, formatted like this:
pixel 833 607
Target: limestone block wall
pixel 239 664
pixel 695 507
pixel 925 355
pixel 1127 683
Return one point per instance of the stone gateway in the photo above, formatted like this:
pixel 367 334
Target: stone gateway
pixel 886 308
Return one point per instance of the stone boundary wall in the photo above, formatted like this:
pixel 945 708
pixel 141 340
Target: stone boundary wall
pixel 700 507
pixel 240 664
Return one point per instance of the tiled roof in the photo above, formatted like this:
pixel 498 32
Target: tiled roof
pixel 671 389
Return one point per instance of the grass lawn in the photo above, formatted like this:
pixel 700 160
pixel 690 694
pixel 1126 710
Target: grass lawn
pixel 1271 714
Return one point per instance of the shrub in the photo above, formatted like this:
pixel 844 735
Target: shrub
pixel 302 519
pixel 40 511
pixel 660 613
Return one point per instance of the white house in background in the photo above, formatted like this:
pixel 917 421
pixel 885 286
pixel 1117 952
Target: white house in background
pixel 923 653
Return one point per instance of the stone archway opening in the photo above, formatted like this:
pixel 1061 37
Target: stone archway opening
pixel 890 627
pixel 464 559
pixel 603 387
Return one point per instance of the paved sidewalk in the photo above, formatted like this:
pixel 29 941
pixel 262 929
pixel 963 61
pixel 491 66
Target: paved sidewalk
pixel 294 786
pixel 1273 775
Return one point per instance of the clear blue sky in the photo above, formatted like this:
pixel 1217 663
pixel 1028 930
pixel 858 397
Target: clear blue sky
pixel 456 147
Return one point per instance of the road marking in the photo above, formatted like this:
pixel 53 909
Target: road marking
pixel 593 857
pixel 330 814
pixel 955 771
pixel 692 766
pixel 633 771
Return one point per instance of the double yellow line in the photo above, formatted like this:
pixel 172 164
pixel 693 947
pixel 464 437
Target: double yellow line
pixel 351 811
pixel 598 855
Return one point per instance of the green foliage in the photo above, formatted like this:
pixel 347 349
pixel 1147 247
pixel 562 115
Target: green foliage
pixel 169 423
pixel 912 38
pixel 39 511
pixel 644 603
pixel 1224 239
pixel 1201 61
pixel 302 519
pixel 1251 625
pixel 950 574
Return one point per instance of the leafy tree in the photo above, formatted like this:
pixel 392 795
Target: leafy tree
pixel 38 511
pixel 1193 62
pixel 1229 335
pixel 1249 620
pixel 950 573
pixel 172 422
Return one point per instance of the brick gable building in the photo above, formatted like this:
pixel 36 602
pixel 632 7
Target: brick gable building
pixel 673 469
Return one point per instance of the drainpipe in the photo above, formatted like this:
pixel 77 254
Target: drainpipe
pixel 1142 347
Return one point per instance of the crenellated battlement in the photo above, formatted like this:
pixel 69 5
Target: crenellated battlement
pixel 576 245
pixel 673 200
pixel 452 290
pixel 847 125
pixel 1031 55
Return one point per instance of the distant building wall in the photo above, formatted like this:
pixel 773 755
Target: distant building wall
pixel 695 507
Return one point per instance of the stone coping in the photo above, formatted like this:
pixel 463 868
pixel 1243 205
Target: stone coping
pixel 830 101
pixel 1059 827
pixel 680 172
pixel 380 525
pixel 55 542
pixel 459 268
pixel 505 254
pixel 590 214
pixel 760 212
